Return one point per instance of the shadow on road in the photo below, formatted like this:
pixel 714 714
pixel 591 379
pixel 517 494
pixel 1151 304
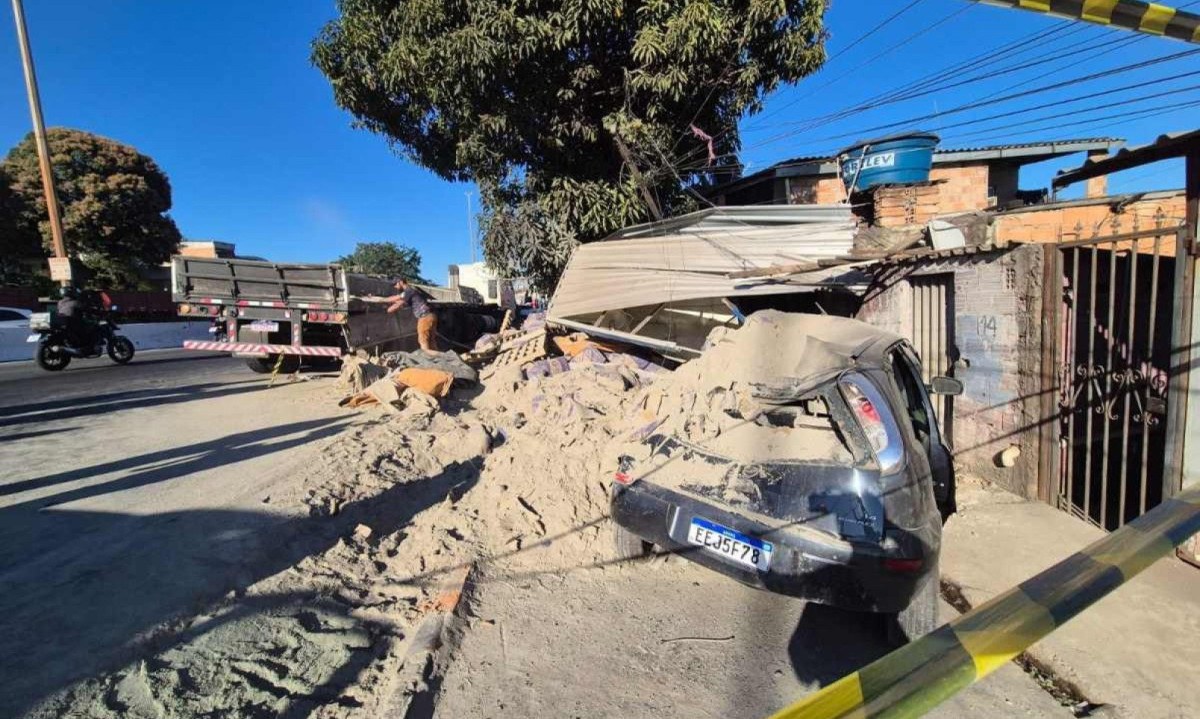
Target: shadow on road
pixel 116 577
pixel 88 405
pixel 171 463
pixel 35 433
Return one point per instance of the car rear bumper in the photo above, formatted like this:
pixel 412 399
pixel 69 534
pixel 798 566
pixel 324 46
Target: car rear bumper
pixel 805 563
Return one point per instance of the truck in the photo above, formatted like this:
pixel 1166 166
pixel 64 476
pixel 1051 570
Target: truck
pixel 279 315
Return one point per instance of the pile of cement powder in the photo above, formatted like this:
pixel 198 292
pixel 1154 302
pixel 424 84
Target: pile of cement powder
pixel 512 481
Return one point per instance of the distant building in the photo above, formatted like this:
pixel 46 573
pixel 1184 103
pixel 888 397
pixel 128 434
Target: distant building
pixel 207 248
pixel 507 292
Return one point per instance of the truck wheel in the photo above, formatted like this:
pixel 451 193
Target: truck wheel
pixel 50 360
pixel 920 617
pixel 266 365
pixel 628 545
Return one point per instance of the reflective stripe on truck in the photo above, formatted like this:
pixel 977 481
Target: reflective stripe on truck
pixel 254 348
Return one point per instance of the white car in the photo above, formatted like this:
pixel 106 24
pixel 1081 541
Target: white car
pixel 14 317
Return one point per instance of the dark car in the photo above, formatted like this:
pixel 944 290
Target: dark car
pixel 831 487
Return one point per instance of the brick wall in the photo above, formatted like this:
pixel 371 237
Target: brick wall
pixel 964 187
pixel 996 308
pixel 816 190
pixel 905 205
pixel 1087 218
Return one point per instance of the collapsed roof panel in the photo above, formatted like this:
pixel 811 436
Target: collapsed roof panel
pixel 686 265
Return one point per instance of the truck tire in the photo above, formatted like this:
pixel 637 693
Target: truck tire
pixel 266 365
pixel 920 617
pixel 628 545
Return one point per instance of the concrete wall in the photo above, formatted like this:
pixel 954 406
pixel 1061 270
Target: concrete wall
pixel 151 335
pixel 997 337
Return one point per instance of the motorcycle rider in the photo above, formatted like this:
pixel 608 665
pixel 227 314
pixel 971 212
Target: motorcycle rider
pixel 71 310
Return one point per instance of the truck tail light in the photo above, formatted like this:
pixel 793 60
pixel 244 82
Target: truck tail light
pixel 185 309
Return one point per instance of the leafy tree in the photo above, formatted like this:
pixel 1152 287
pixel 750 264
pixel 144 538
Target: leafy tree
pixel 114 202
pixel 582 113
pixel 385 258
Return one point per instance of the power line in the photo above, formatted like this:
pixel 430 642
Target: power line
pixel 1146 112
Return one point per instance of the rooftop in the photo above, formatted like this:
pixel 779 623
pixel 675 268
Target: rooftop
pixel 1014 154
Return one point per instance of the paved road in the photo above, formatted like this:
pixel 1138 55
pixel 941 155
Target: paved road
pixel 667 638
pixel 131 495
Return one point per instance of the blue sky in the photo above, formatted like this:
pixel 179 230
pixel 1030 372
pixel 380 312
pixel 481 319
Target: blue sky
pixel 223 96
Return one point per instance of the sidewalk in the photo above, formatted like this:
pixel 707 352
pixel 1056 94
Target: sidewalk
pixel 1136 651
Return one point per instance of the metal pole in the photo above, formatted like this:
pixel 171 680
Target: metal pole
pixel 470 228
pixel 39 133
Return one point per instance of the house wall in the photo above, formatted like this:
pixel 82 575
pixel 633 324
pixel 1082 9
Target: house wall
pixel 1082 219
pixel 963 186
pixel 996 351
pixel 815 190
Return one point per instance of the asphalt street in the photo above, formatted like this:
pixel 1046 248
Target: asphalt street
pixel 131 495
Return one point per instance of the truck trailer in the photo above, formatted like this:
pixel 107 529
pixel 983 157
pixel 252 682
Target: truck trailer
pixel 277 315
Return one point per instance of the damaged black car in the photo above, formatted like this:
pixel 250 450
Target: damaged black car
pixel 822 476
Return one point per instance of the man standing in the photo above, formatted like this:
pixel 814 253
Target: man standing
pixel 416 301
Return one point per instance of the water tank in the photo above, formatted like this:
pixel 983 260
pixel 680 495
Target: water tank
pixel 889 160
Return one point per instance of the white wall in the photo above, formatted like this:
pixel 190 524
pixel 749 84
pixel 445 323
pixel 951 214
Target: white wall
pixel 145 336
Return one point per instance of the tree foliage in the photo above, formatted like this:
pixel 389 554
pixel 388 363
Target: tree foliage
pixel 113 199
pixel 555 104
pixel 385 258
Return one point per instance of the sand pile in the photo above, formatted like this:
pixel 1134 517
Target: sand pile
pixel 510 478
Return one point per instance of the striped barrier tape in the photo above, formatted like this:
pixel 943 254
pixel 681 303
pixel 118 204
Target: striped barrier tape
pixel 253 348
pixel 1145 17
pixel 917 677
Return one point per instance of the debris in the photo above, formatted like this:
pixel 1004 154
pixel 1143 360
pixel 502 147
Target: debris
pixel 443 361
pixel 362 532
pixel 359 373
pixel 432 382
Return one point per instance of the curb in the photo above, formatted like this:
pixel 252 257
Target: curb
pixel 420 674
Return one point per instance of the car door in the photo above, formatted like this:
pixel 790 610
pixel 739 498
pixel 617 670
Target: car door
pixel 12 318
pixel 905 370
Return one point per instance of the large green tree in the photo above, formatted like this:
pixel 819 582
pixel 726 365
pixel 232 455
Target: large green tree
pixel 385 258
pixel 114 203
pixel 575 117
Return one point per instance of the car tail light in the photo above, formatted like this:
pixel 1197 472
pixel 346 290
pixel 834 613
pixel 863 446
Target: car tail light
pixel 871 411
pixel 903 566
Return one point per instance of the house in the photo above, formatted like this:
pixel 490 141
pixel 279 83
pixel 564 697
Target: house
pixel 971 178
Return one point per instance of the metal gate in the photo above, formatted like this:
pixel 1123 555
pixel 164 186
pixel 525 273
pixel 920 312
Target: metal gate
pixel 933 338
pixel 1112 357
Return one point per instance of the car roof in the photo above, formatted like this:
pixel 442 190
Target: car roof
pixel 21 310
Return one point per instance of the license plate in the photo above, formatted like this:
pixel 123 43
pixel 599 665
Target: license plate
pixel 726 543
pixel 33 338
pixel 264 326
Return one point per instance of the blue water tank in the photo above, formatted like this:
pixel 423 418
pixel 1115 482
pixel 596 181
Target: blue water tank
pixel 889 160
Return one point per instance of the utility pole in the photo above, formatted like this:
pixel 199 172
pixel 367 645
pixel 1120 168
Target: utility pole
pixel 63 273
pixel 470 228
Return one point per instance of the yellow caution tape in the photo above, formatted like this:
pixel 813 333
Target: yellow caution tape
pixel 917 677
pixel 1133 15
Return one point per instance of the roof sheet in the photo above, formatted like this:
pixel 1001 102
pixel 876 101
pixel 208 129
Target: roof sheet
pixel 666 268
pixel 738 217
pixel 1171 144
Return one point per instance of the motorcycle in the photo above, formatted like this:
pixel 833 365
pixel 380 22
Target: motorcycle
pixel 55 351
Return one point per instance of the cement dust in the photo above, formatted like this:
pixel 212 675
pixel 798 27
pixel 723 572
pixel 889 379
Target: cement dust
pixel 511 479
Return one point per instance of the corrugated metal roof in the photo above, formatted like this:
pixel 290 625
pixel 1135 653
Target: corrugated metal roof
pixel 738 217
pixel 1171 144
pixel 667 268
pixel 1105 141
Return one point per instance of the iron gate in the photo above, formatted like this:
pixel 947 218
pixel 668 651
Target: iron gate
pixel 1112 357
